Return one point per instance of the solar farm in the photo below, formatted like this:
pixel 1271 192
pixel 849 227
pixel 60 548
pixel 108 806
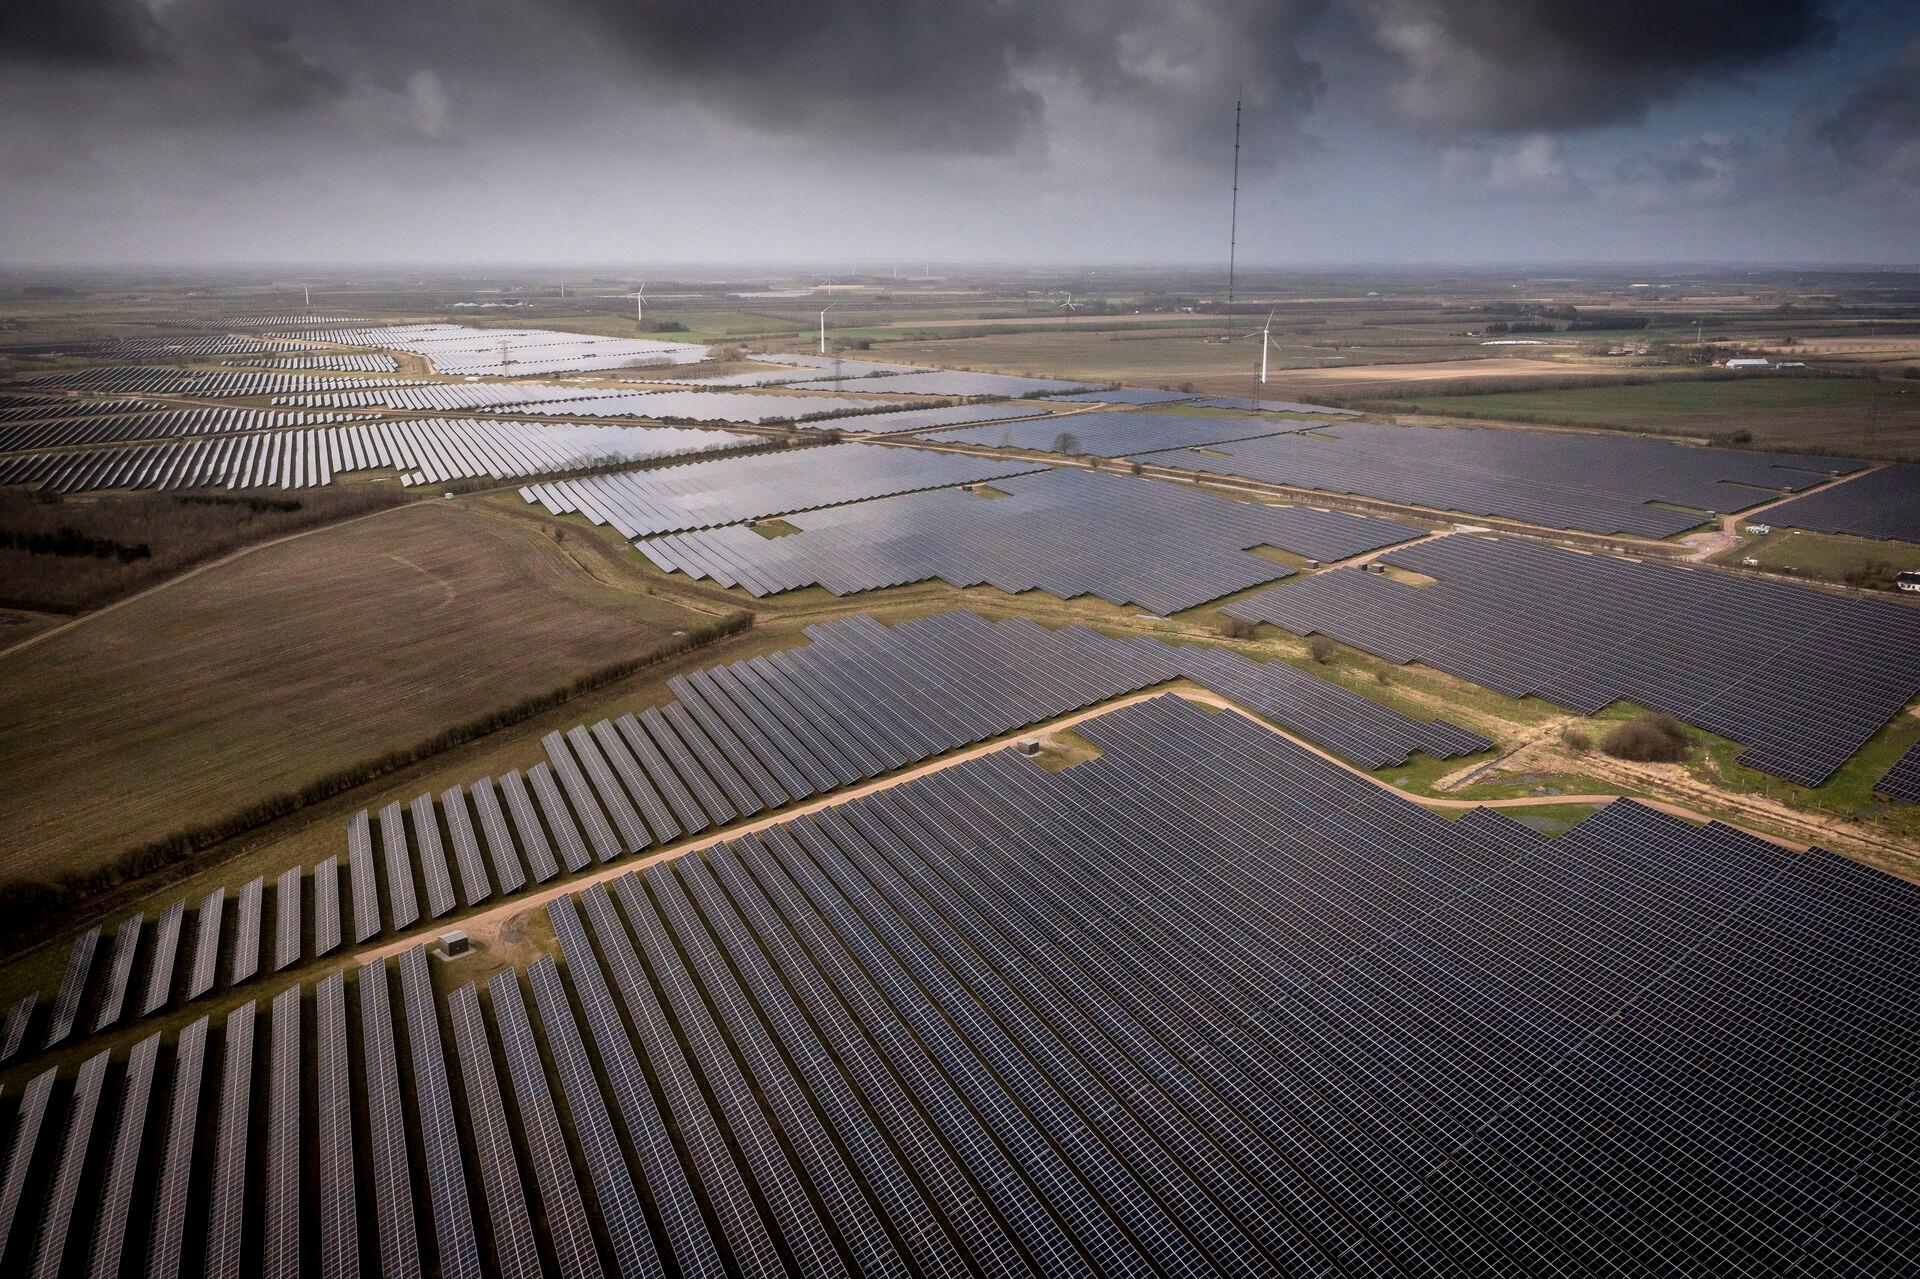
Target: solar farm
pixel 781 809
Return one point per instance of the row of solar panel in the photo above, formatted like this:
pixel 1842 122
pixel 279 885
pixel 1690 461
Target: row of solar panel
pixel 159 380
pixel 148 423
pixel 423 450
pixel 1799 677
pixel 334 361
pixel 93 996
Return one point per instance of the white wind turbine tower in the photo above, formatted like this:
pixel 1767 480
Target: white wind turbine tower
pixel 306 295
pixel 1265 334
pixel 640 304
pixel 823 327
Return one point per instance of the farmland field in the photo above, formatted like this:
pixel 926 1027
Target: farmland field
pixel 307 656
pixel 1840 415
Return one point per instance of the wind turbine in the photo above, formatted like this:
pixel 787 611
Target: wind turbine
pixel 307 295
pixel 1070 306
pixel 640 304
pixel 823 327
pixel 1266 339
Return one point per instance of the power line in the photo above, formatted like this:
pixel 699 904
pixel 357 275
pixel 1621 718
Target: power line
pixel 1233 223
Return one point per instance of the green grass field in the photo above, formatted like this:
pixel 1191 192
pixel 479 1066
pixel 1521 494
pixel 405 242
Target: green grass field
pixel 1842 415
pixel 1823 556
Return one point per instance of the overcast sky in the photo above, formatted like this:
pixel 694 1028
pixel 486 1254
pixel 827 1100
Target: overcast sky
pixel 666 131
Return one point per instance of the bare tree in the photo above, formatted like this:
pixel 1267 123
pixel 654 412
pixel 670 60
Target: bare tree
pixel 1068 443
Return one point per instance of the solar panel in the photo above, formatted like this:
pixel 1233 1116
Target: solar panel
pixel 171 1195
pixel 593 823
pixel 1881 504
pixel 493 824
pixel 326 907
pixel 1746 659
pixel 246 941
pixel 15 1031
pixel 432 857
pixel 620 1212
pixel 526 825
pixel 287 920
pixel 387 1123
pixel 280 1254
pixel 1601 483
pixel 227 1190
pixel 335 1190
pixel 57 1211
pixel 73 984
pixel 1902 781
pixel 730 490
pixel 27 1121
pixel 459 1249
pixel 166 947
pixel 206 943
pixel 104 1255
pixel 633 831
pixel 687 1236
pixel 753 1134
pixel 1135 542
pixel 474 887
pixel 573 849
pixel 360 866
pixel 401 900
pixel 514 1249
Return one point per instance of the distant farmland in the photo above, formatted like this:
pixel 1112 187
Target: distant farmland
pixel 259 676
pixel 1838 415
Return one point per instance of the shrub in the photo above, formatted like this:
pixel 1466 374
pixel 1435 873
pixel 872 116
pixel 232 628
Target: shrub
pixel 1321 649
pixel 1135 468
pixel 1577 740
pixel 1652 738
pixel 1238 628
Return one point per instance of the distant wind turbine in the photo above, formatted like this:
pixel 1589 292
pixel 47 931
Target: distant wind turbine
pixel 306 295
pixel 1070 306
pixel 640 304
pixel 823 327
pixel 1265 332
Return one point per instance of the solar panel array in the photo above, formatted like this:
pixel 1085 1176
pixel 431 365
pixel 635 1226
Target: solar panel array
pixel 1321 1031
pixel 1902 781
pixel 173 348
pixel 1122 395
pixel 727 381
pixel 66 1005
pixel 336 361
pixel 729 490
pixel 1163 547
pixel 282 321
pixel 900 421
pixel 108 421
pixel 130 379
pixel 113 995
pixel 712 406
pixel 944 1029
pixel 19 1017
pixel 1883 504
pixel 942 382
pixel 422 450
pixel 1113 434
pixel 1246 404
pixel 1557 479
pixel 1753 661
pixel 459 348
pixel 445 396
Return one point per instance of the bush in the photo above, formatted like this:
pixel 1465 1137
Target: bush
pixel 1652 738
pixel 1321 649
pixel 1577 740
pixel 1238 628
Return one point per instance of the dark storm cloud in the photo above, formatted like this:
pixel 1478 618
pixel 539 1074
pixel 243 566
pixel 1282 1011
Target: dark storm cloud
pixel 79 33
pixel 1878 128
pixel 957 76
pixel 1519 65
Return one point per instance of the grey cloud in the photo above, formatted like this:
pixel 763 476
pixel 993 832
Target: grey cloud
pixel 1522 65
pixel 116 34
pixel 1877 129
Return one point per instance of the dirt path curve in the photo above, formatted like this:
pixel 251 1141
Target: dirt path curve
pixel 206 567
pixel 1707 545
pixel 492 926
